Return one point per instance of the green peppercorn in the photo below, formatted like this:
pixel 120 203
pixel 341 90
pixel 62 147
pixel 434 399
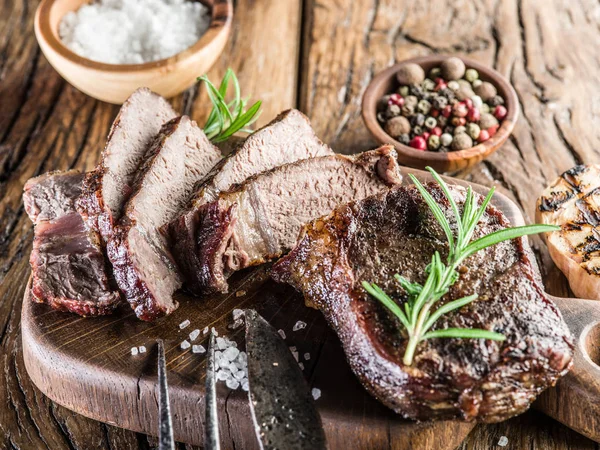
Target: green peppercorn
pixel 417 130
pixel 403 91
pixel 471 75
pixel 411 100
pixel 408 109
pixel 462 141
pixel 424 106
pixel 473 130
pixel 446 139
pixel 428 85
pixel 430 123
pixel 397 126
pixel 410 74
pixel 442 121
pixel 452 68
pixel 433 143
pixel 487 120
pixel 460 129
pixel 392 111
pixel 435 73
pixel 485 108
pixel 453 85
pixel 476 83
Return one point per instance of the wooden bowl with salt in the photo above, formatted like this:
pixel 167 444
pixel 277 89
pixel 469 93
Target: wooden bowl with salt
pixel 113 83
pixel 451 162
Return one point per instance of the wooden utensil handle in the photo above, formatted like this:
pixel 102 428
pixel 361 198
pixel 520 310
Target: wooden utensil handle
pixel 575 401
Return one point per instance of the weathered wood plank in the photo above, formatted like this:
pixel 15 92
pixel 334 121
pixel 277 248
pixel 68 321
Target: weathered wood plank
pixel 546 50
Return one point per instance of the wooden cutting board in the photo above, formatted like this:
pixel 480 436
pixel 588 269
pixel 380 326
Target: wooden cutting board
pixel 86 365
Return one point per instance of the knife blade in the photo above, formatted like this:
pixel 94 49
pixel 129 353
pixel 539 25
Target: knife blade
pixel 165 428
pixel 211 440
pixel 283 410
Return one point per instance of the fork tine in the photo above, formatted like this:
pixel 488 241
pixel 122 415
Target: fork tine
pixel 165 428
pixel 211 441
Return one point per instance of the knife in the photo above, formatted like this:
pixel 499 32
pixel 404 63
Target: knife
pixel 211 440
pixel 283 410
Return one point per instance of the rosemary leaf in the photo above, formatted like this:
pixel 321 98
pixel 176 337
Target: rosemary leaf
pixel 465 333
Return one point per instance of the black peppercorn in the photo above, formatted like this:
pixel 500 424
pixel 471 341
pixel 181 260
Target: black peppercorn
pixel 439 102
pixel 418 119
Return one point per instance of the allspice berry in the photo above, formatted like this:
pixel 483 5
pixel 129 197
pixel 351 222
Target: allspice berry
pixel 397 126
pixel 487 120
pixel 462 141
pixel 486 91
pixel 452 69
pixel 410 74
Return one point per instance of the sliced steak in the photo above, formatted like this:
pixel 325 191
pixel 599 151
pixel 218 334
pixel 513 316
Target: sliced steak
pixel 67 262
pixel 108 186
pixel 288 138
pixel 180 156
pixel 472 379
pixel 260 219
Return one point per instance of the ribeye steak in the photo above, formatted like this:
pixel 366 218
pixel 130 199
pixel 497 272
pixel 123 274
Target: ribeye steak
pixel 472 379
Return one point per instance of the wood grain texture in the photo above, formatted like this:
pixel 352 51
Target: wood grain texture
pixel 546 48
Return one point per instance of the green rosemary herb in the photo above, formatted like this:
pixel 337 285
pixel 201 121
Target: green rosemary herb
pixel 418 315
pixel 226 119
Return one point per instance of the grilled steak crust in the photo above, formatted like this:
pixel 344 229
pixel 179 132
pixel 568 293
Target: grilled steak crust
pixel 180 156
pixel 573 203
pixel 67 262
pixel 286 139
pixel 107 187
pixel 471 379
pixel 260 219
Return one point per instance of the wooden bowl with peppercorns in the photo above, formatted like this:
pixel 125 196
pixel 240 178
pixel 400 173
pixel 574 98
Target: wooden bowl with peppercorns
pixel 445 112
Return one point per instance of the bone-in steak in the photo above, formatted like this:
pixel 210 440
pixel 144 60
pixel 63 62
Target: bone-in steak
pixel 180 156
pixel 260 219
pixel 67 262
pixel 395 232
pixel 108 186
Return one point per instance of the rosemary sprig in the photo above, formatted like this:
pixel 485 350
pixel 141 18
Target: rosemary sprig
pixel 418 317
pixel 226 119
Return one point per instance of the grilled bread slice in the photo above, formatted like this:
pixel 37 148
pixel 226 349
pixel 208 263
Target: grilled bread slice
pixel 573 203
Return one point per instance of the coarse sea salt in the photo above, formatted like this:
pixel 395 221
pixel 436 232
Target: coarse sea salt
pixel 316 393
pixel 133 31
pixel 184 324
pixel 299 326
pixel 198 349
pixel 194 335
pixel 142 349
pixel 281 333
pixel 134 351
pixel 185 345
pixel 231 365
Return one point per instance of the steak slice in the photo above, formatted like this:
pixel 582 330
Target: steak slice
pixel 107 188
pixel 471 379
pixel 180 156
pixel 288 138
pixel 260 219
pixel 67 263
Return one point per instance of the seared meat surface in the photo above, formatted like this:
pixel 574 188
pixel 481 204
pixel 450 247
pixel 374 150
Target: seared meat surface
pixel 471 379
pixel 107 188
pixel 68 267
pixel 260 219
pixel 180 156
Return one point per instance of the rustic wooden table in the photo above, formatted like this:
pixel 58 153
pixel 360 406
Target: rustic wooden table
pixel 318 56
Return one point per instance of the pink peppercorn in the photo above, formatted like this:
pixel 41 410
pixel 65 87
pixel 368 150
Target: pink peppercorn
pixel 473 115
pixel 447 111
pixel 500 112
pixel 484 135
pixel 460 109
pixel 468 102
pixel 492 130
pixel 418 142
pixel 440 84
pixel 426 135
pixel 434 113
pixel 459 121
pixel 396 99
pixel 437 131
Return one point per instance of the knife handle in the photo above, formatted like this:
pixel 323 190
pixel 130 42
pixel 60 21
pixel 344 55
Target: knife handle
pixel 575 401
